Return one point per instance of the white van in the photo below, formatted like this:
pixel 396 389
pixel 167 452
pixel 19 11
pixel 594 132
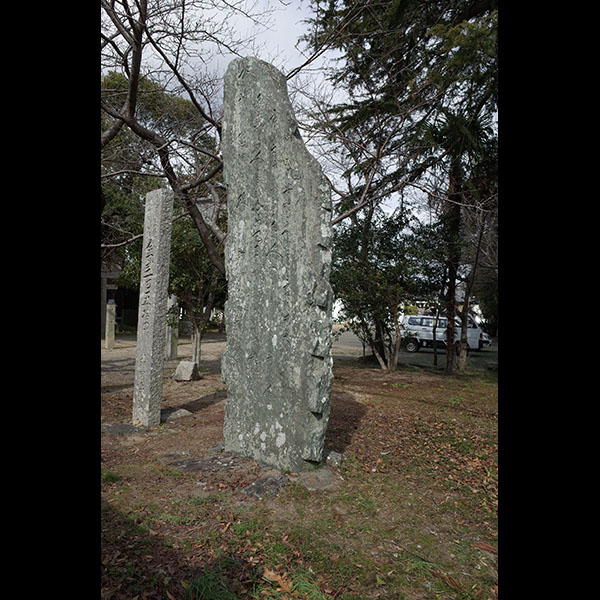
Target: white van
pixel 417 332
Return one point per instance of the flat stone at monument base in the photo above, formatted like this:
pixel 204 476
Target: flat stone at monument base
pixel 269 484
pixel 187 370
pixel 214 462
pixel 217 448
pixel 320 479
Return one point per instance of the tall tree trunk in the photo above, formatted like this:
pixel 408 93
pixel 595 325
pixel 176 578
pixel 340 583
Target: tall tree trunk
pixel 434 332
pixel 462 362
pixel 463 359
pixel 450 311
pixel 378 344
pixel 373 343
pixel 453 244
pixel 396 347
pixel 197 342
pixel 378 350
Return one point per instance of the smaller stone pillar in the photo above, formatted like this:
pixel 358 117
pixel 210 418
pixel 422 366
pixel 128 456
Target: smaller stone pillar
pixel 152 316
pixel 172 328
pixel 109 333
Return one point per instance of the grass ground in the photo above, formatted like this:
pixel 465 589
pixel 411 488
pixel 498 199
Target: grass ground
pixel 414 518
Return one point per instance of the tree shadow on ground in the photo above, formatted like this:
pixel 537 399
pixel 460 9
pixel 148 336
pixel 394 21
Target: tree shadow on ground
pixel 344 419
pixel 199 404
pixel 107 389
pixel 138 563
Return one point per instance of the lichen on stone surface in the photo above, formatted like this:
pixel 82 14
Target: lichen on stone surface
pixel 278 258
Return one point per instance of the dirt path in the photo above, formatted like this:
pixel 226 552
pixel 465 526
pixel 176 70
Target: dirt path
pixel 118 364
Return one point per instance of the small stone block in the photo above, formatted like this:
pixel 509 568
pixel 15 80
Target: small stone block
pixel 333 458
pixel 187 370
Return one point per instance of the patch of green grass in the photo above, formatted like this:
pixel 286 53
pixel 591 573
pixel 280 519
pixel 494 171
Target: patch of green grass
pixel 160 469
pixel 358 541
pixel 462 445
pixel 204 501
pixel 297 492
pixel 319 554
pixel 309 590
pixel 210 537
pixel 276 552
pixel 418 567
pixel 456 400
pixel 174 473
pixel 304 540
pixel 367 504
pixel 175 519
pixel 210 585
pixel 253 529
pixel 109 476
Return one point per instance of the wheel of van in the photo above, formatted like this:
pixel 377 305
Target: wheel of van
pixel 412 345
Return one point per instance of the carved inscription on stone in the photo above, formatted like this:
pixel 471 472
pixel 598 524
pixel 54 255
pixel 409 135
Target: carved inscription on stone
pixel 277 365
pixel 152 315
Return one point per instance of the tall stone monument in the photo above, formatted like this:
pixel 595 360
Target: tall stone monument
pixel 277 365
pixel 152 316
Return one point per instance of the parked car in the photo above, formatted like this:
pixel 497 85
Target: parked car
pixel 417 332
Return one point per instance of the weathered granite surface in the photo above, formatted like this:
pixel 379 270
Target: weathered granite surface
pixel 277 365
pixel 152 317
pixel 109 336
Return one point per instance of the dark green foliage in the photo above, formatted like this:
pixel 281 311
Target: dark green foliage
pixel 424 74
pixel 192 276
pixel 123 215
pixel 411 65
pixel 379 265
pixel 129 162
pixel 167 113
pixel 195 281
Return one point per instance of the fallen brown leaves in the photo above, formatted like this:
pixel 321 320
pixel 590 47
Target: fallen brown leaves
pixel 283 584
pixel 407 432
pixel 394 436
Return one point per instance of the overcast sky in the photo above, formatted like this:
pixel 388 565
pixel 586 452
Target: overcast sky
pixel 277 41
pixel 287 27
